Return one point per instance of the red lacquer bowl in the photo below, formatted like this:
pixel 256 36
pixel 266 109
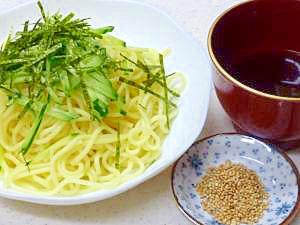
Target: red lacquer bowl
pixel 251 26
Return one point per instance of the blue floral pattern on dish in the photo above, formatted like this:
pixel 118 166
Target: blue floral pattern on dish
pixel 274 170
pixel 283 209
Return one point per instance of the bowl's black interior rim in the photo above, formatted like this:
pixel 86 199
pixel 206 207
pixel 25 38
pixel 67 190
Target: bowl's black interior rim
pixel 225 74
pixel 290 217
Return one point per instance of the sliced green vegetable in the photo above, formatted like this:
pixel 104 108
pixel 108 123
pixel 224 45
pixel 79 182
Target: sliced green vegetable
pixel 42 10
pixel 104 30
pixel 152 78
pixel 26 108
pixel 34 130
pixel 134 84
pixel 162 69
pixel 112 41
pixel 65 83
pixel 62 115
pixel 102 87
pixel 54 112
pixel 54 95
pixel 100 107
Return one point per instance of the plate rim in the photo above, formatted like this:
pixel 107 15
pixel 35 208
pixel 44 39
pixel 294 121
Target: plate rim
pixel 296 208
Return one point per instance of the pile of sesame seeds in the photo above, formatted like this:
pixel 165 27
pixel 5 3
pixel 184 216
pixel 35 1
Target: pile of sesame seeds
pixel 233 194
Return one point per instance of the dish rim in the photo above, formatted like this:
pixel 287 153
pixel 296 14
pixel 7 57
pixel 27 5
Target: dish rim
pixel 190 217
pixel 124 187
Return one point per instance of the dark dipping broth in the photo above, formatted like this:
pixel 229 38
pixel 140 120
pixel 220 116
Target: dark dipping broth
pixel 273 72
pixel 261 48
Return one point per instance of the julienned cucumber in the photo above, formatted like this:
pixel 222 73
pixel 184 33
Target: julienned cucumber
pixel 111 40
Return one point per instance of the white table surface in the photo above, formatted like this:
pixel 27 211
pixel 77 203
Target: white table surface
pixel 150 203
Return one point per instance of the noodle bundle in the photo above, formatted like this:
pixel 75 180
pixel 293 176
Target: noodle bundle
pixel 85 153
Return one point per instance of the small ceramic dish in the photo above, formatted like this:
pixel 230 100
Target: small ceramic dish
pixel 276 170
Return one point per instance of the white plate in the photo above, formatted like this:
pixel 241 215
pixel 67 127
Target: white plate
pixel 140 25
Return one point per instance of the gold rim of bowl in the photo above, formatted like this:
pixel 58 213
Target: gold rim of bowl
pixel 226 75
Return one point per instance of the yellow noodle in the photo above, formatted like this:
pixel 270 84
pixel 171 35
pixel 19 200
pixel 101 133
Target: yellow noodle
pixel 71 158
